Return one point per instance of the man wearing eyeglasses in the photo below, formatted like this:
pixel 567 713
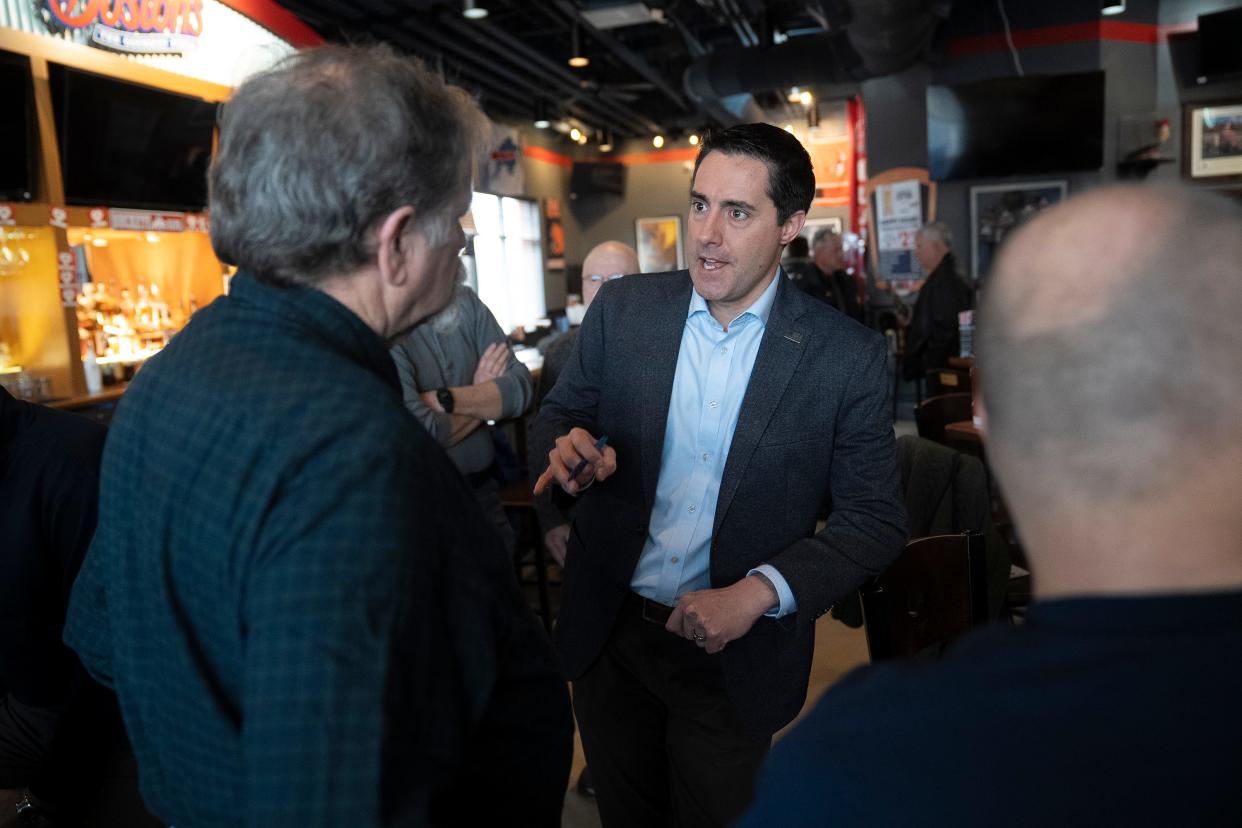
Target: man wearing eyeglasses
pixel 606 262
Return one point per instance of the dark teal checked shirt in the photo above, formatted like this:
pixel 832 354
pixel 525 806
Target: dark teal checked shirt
pixel 291 589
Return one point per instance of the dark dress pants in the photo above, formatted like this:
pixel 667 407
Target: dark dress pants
pixel 660 735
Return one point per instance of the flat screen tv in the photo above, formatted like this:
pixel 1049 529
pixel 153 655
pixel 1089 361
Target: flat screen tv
pixel 126 145
pixel 1034 125
pixel 1220 44
pixel 17 138
pixel 592 179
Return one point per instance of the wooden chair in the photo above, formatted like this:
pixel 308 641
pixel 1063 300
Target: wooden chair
pixel 934 413
pixel 935 591
pixel 519 505
pixel 948 381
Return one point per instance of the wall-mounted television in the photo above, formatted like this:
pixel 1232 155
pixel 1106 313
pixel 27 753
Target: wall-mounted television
pixel 592 179
pixel 18 170
pixel 127 145
pixel 1220 45
pixel 1033 125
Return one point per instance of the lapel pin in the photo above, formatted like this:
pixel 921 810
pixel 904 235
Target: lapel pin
pixel 794 337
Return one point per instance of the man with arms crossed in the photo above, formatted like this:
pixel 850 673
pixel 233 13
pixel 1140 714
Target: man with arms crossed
pixel 303 612
pixel 733 405
pixel 1112 421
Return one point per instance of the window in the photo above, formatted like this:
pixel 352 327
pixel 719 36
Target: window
pixel 508 251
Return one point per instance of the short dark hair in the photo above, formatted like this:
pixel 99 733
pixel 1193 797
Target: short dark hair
pixel 791 178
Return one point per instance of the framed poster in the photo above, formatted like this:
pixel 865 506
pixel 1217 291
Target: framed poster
pixel 996 210
pixel 1212 142
pixel 658 242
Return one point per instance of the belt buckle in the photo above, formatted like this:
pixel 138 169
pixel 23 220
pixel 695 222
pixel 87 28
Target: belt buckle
pixel 655 612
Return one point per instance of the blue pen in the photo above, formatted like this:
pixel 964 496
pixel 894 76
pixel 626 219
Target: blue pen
pixel 599 446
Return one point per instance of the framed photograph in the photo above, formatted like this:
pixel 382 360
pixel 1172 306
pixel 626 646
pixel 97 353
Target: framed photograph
pixel 996 210
pixel 658 242
pixel 1212 142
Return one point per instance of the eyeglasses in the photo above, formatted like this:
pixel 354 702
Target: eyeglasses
pixel 595 277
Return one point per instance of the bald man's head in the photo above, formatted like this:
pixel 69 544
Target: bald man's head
pixel 603 262
pixel 1110 350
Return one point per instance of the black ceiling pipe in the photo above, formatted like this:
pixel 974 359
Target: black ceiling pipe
pixel 883 37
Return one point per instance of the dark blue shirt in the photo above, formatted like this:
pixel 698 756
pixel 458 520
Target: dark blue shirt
pixel 303 613
pixel 1108 711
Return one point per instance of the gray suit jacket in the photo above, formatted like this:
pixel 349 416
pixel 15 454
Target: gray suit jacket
pixel 814 425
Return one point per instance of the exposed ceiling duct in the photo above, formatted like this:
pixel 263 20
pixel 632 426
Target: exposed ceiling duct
pixel 881 37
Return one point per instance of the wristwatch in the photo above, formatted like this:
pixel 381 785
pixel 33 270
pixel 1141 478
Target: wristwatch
pixel 445 398
pixel 31 813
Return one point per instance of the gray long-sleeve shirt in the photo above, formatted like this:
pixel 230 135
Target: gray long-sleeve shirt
pixel 428 359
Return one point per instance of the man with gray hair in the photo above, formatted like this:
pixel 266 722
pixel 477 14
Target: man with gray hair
pixel 1112 421
pixel 828 255
pixel 932 336
pixel 291 589
pixel 458 372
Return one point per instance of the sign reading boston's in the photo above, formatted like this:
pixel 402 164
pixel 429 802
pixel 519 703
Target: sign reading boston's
pixel 131 25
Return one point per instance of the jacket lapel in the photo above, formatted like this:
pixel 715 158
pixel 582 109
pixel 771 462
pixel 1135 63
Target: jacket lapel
pixel 779 353
pixel 663 343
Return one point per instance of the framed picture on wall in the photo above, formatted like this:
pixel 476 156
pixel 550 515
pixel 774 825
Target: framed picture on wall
pixel 996 210
pixel 658 242
pixel 1212 142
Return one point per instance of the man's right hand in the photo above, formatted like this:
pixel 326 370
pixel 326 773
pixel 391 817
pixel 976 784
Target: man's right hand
pixel 557 540
pixel 575 446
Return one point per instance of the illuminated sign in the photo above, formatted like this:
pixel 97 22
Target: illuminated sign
pixel 140 26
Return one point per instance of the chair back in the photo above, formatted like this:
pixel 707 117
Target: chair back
pixel 935 591
pixel 948 381
pixel 934 413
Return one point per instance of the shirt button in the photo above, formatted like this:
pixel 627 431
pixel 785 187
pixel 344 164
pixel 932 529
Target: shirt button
pixel 674 559
pixel 705 456
pixel 713 404
pixel 692 508
pixel 724 349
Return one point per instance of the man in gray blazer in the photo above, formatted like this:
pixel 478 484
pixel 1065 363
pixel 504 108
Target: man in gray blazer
pixel 734 408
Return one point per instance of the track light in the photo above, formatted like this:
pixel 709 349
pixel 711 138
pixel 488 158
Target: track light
pixel 805 98
pixel 657 141
pixel 471 10
pixel 575 134
pixel 694 139
pixel 576 59
pixel 541 115
pixel 1111 7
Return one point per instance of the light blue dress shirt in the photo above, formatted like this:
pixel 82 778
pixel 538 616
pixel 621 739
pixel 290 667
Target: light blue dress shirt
pixel 713 370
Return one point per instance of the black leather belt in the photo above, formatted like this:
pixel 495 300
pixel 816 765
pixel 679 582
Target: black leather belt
pixel 648 610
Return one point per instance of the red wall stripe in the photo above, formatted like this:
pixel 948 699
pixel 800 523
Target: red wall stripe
pixel 1113 30
pixel 631 159
pixel 280 22
pixel 547 156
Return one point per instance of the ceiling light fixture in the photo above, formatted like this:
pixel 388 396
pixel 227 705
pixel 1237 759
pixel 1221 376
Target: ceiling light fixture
pixel 694 139
pixel 657 141
pixel 575 134
pixel 541 115
pixel 576 58
pixel 471 10
pixel 806 98
pixel 795 95
pixel 605 145
pixel 1111 7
